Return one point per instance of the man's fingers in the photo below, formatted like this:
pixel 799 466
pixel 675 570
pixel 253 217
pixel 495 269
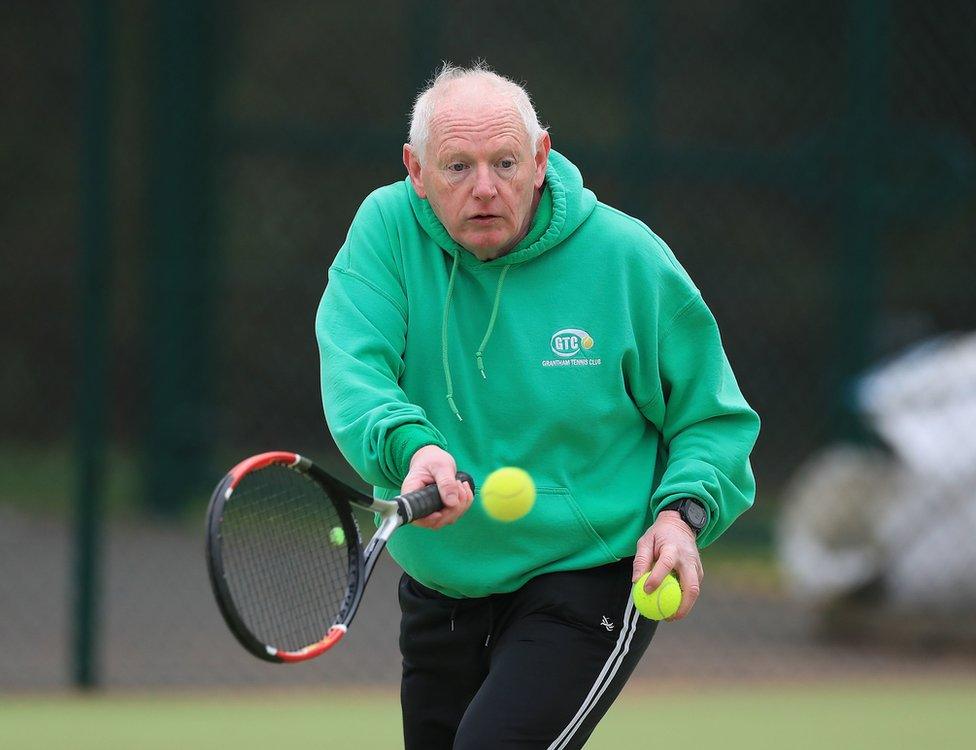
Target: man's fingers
pixel 690 589
pixel 455 495
pixel 433 465
pixel 415 480
pixel 448 486
pixel 662 566
pixel 642 560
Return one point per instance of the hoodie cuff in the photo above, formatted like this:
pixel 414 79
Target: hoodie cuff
pixel 403 442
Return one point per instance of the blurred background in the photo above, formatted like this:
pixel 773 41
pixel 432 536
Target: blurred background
pixel 178 176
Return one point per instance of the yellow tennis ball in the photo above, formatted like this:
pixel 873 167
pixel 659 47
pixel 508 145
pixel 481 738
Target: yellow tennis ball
pixel 508 494
pixel 337 536
pixel 662 602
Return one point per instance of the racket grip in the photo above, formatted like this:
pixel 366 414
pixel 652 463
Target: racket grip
pixel 421 503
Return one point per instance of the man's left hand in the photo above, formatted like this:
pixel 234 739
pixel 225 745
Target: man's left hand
pixel 670 545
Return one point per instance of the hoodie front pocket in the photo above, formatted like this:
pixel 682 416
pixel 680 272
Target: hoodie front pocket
pixel 557 528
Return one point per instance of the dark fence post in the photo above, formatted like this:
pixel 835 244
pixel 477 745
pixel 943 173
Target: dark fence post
pixel 94 277
pixel 860 213
pixel 181 266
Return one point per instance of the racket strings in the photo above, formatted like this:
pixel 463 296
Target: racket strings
pixel 286 566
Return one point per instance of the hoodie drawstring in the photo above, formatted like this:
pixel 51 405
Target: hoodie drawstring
pixel 491 323
pixel 444 360
pixel 479 355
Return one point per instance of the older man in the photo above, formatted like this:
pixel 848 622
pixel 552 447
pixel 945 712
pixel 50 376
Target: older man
pixel 489 311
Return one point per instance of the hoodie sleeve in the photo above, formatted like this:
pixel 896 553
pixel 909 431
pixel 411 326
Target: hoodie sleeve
pixel 707 428
pixel 361 330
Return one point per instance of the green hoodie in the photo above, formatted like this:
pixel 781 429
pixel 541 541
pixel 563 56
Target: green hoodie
pixel 586 356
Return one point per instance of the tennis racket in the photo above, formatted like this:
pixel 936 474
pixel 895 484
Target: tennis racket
pixel 286 562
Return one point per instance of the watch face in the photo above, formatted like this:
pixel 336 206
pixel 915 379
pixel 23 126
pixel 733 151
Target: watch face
pixel 696 515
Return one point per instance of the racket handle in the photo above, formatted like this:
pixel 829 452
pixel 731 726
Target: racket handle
pixel 421 503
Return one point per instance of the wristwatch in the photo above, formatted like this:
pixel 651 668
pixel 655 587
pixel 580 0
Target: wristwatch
pixel 692 512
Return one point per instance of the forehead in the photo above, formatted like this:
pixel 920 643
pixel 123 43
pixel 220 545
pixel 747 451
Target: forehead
pixel 469 119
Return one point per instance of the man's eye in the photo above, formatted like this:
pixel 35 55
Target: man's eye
pixel 456 167
pixel 506 163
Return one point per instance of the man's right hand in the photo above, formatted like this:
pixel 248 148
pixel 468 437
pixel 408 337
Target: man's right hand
pixel 433 465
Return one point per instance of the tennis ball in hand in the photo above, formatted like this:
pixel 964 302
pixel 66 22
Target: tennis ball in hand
pixel 662 602
pixel 337 536
pixel 508 494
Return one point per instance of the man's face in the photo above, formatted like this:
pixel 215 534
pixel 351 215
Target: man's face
pixel 480 172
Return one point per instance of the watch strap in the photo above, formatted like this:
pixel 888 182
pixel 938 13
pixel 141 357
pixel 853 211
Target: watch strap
pixel 697 518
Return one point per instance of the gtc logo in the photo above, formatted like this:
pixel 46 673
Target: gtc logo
pixel 569 341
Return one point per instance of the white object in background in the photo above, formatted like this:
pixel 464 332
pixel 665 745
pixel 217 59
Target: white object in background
pixel 853 515
pixel 923 403
pixel 826 535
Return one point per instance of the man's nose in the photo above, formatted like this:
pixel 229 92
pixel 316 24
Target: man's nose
pixel 484 184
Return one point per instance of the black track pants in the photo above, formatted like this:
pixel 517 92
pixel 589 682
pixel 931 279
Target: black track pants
pixel 536 668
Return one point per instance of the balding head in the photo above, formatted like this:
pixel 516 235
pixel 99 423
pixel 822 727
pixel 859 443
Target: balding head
pixel 477 89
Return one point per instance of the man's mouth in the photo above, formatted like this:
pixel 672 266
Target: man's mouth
pixel 483 217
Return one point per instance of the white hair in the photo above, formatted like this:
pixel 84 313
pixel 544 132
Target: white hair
pixel 423 107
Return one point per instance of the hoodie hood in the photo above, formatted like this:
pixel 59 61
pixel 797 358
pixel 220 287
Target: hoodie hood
pixel 568 203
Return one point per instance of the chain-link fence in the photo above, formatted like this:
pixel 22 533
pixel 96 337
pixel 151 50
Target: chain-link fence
pixel 813 165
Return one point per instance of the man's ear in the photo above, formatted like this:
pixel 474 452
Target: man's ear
pixel 412 163
pixel 542 159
